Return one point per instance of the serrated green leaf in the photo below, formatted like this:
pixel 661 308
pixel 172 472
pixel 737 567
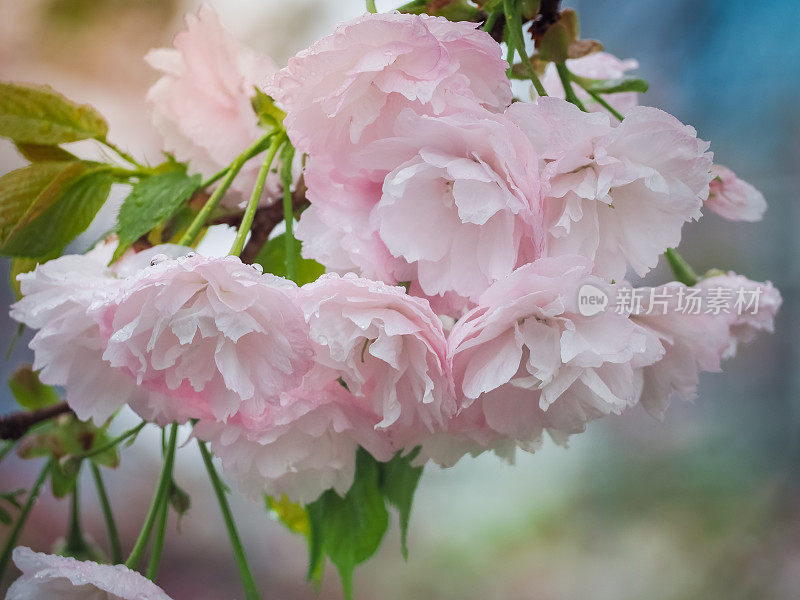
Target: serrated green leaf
pixel 46 205
pixel 273 258
pixel 269 115
pixel 43 153
pixel 152 201
pixel 29 392
pixel 613 86
pixel 37 114
pixel 399 480
pixel 350 529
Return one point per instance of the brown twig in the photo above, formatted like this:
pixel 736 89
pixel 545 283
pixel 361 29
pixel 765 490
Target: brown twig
pixel 15 425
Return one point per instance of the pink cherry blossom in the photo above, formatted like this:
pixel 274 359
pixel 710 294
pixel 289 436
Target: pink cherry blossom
pixel 753 306
pixel 300 447
pixel 694 341
pixel 68 347
pixel 459 207
pixel 46 576
pixel 733 198
pixel 202 103
pixel 206 336
pixel 388 348
pixel 619 195
pixel 598 65
pixel 350 86
pixel 525 360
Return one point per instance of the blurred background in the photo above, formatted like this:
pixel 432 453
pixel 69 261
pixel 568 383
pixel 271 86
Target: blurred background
pixel 705 504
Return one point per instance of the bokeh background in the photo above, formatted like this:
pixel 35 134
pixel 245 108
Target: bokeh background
pixel 702 505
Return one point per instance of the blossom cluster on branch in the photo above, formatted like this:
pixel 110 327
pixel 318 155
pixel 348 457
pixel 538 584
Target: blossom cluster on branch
pixel 459 227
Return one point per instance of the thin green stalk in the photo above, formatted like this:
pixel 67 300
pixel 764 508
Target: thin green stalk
pixel 7 447
pixel 371 6
pixel 683 270
pixel 111 525
pixel 75 545
pixel 249 584
pixel 566 81
pixel 188 238
pixel 491 19
pixel 515 40
pixel 124 155
pixel 158 542
pixel 252 205
pixel 602 102
pixel 114 442
pixel 164 483
pixel 23 516
pixel 288 212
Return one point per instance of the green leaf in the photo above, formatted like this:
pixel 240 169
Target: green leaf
pixel 399 481
pixel 36 114
pixel 269 115
pixel 67 436
pixel 273 258
pixel 152 201
pixel 293 515
pixel 5 517
pixel 42 153
pixel 29 392
pixel 349 530
pixel 46 205
pixel 612 86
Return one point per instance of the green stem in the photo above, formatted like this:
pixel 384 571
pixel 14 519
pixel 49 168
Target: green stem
pixel 250 589
pixel 164 483
pixel 602 102
pixel 127 157
pixel 252 205
pixel 515 39
pixel 7 447
pixel 115 442
pixel 683 270
pixel 491 19
pixel 158 542
pixel 23 516
pixel 288 213
pixel 111 525
pixel 569 93
pixel 76 545
pixel 188 238
pixel 371 6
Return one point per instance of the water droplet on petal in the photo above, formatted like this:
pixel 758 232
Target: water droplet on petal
pixel 157 259
pixel 190 254
pixel 258 267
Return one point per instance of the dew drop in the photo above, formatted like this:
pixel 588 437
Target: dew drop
pixel 157 259
pixel 258 267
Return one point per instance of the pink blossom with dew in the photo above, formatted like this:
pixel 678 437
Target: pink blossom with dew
pixel 734 199
pixel 206 337
pixel 57 300
pixel 458 206
pixel 618 194
pixel 525 360
pixel 349 87
pixel 300 447
pixel 202 103
pixel 46 576
pixel 387 347
pixel 597 65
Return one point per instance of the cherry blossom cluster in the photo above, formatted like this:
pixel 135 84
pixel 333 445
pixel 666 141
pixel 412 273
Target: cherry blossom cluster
pixel 457 229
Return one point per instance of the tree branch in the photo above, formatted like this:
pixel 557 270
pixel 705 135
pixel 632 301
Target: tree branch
pixel 15 425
